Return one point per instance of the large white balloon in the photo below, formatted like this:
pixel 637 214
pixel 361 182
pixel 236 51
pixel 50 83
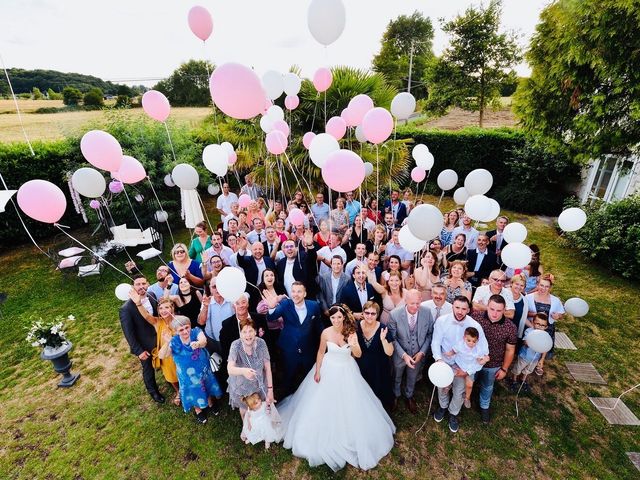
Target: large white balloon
pixel 516 255
pixel 460 196
pixel 403 105
pixel 447 179
pixel 185 176
pixel 326 20
pixel 420 151
pixel 266 123
pixel 515 233
pixel 231 283
pixel 122 291
pixel 425 222
pixel 408 241
pixel 88 182
pixel 577 307
pixel 572 219
pixel 273 84
pixel 215 158
pixel 321 146
pixel 441 374
pixel 477 207
pixel 292 83
pixel 539 341
pixel 228 147
pixel 275 112
pixel 478 181
pixel 360 134
pixel 168 181
pixel 425 162
pixel 494 211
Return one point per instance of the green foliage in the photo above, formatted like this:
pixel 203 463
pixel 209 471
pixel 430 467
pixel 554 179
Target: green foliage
pixel 188 86
pixel 36 94
pixel 54 95
pixel 123 101
pixel 71 96
pixel 23 81
pixel 26 96
pixel 406 35
pixel 124 90
pixel 611 236
pixel 477 62
pixel 93 98
pixel 583 96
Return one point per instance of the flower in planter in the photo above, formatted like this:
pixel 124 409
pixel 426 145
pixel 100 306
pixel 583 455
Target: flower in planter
pixel 48 333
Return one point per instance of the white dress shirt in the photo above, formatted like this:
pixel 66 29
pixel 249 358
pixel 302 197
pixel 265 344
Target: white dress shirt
pixel 483 294
pixel 224 202
pixel 362 294
pixel 334 287
pixel 302 312
pixel 288 275
pixel 446 309
pixel 448 331
pixel 328 253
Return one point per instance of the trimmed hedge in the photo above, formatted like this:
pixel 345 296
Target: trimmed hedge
pixel 525 177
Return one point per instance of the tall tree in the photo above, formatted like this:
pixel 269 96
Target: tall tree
pixel 406 45
pixel 477 62
pixel 583 96
pixel 188 85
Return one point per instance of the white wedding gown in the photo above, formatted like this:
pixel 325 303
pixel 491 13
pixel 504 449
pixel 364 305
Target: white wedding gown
pixel 339 419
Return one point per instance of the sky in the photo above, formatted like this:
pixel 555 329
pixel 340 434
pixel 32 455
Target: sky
pixel 142 41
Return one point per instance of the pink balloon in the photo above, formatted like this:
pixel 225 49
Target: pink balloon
pixel 291 102
pixel 131 171
pixel 418 174
pixel 322 79
pixel 116 186
pixel 95 204
pixel 306 139
pixel 296 216
pixel 346 116
pixel 233 158
pixel 237 91
pixel 377 125
pixel 267 105
pixel 156 105
pixel 343 170
pixel 282 126
pixel 336 127
pixel 276 142
pixel 244 200
pixel 200 22
pixel 358 107
pixel 42 201
pixel 101 150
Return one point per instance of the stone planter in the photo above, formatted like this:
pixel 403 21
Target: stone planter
pixel 60 358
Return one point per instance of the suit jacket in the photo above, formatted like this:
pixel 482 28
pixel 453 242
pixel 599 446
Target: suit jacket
pixel 325 295
pixel 299 338
pixel 402 211
pixel 399 327
pixel 305 270
pixel 488 264
pixel 349 296
pixel 492 245
pixel 248 264
pixel 140 334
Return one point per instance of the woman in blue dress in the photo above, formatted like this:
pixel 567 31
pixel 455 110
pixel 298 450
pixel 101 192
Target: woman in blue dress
pixel 199 388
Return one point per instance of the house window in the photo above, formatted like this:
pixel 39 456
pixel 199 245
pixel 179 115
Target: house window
pixel 611 179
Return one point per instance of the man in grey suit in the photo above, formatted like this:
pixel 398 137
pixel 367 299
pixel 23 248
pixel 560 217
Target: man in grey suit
pixel 331 284
pixel 411 327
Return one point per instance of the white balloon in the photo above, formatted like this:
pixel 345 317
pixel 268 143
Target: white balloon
pixel 403 105
pixel 494 211
pixel 273 84
pixel 228 147
pixel 447 179
pixel 477 207
pixel 577 307
pixel 213 189
pixel 425 162
pixel 292 83
pixel 231 283
pixel 266 123
pixel 441 374
pixel 185 176
pixel 539 341
pixel 515 233
pixel 320 148
pixel 275 112
pixel 360 134
pixel 420 151
pixel 168 181
pixel 460 196
pixel 368 168
pixel 408 241
pixel 216 159
pixel 88 182
pixel 161 216
pixel 516 255
pixel 425 222
pixel 122 291
pixel 326 20
pixel 478 181
pixel 572 219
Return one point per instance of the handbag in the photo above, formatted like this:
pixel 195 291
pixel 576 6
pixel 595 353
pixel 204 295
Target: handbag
pixel 215 360
pixel 155 359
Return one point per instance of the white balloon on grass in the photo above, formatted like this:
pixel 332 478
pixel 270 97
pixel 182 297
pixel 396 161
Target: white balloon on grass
pixel 88 182
pixel 273 84
pixel 577 307
pixel 408 241
pixel 514 233
pixel 292 83
pixel 216 159
pixel 447 179
pixel 213 189
pixel 572 219
pixel 403 105
pixel 477 207
pixel 460 196
pixel 321 146
pixel 122 291
pixel 494 211
pixel 185 176
pixel 425 222
pixel 368 168
pixel 326 20
pixel 231 283
pixel 360 134
pixel 516 255
pixel 168 181
pixel 478 181
pixel 539 341
pixel 161 216
pixel 275 112
pixel 441 374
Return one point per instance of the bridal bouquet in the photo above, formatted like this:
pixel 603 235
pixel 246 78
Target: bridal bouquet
pixel 48 333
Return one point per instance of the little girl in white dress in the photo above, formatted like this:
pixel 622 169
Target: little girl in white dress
pixel 261 423
pixel 469 358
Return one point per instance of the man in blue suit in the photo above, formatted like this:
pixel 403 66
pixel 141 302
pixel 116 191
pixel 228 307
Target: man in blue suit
pixel 358 292
pixel 396 208
pixel 299 337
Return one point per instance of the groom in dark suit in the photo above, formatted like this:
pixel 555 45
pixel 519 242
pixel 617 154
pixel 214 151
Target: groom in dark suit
pixel 300 335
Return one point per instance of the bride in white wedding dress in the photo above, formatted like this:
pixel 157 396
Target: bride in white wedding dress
pixel 334 417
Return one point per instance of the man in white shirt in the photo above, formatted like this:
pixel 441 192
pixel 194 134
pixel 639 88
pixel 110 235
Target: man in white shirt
pixel 250 188
pixel 223 204
pixel 257 234
pixel 394 248
pixel 470 233
pixel 326 253
pixel 367 223
pixel 214 310
pixel 361 253
pixel 235 210
pixel 448 331
pixel 320 209
pixel 495 287
pixel 216 248
pixel 331 285
pixel 389 226
pixel 438 304
pixel 272 243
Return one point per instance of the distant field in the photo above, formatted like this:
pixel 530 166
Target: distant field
pixel 52 126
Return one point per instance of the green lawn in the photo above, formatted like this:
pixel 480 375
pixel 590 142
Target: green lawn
pixel 106 426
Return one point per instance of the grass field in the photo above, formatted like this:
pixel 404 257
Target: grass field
pixel 107 427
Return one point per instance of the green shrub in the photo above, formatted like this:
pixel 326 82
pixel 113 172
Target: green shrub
pixel 93 97
pixel 611 236
pixel 71 96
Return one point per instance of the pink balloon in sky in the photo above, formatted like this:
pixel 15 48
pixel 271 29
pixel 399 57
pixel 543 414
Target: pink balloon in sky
pixel 418 174
pixel 358 107
pixel 156 105
pixel 42 201
pixel 276 142
pixel 291 102
pixel 244 200
pixel 101 150
pixel 237 91
pixel 343 171
pixel 200 22
pixel 377 125
pixel 306 139
pixel 322 79
pixel 131 171
pixel 282 126
pixel 336 127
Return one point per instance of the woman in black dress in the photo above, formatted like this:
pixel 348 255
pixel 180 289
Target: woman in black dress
pixel 377 348
pixel 188 301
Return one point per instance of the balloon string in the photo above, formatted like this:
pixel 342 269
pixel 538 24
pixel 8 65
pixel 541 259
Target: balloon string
pixel 161 208
pixel 170 142
pixel 428 411
pixel 442 195
pixel 131 206
pixel 299 185
pixel 378 177
pixel 393 152
pixel 15 101
pixel 215 117
pixel 524 379
pixel 114 223
pixel 619 397
pixel 204 209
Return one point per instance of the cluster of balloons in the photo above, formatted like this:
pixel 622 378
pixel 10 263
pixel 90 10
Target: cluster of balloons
pixel 275 84
pixel 217 158
pixel 424 161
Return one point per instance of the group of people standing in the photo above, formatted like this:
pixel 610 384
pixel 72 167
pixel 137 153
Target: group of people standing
pixel 338 323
